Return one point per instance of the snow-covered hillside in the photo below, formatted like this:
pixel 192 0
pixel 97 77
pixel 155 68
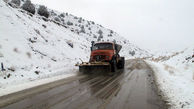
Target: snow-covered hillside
pixel 34 47
pixel 175 78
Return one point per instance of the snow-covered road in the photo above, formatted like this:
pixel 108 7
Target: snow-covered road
pixel 132 87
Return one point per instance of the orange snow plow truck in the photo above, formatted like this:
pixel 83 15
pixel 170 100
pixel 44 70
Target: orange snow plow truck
pixel 104 56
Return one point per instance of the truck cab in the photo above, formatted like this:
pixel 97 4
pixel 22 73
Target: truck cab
pixel 103 51
pixel 107 52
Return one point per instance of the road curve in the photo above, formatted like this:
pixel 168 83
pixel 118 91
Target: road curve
pixel 131 88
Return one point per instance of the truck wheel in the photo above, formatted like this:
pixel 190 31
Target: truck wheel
pixel 113 66
pixel 81 69
pixel 122 62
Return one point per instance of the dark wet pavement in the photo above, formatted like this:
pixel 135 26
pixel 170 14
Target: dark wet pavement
pixel 131 88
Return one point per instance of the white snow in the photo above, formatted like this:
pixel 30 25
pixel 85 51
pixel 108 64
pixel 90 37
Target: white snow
pixel 33 49
pixel 35 52
pixel 175 78
pixel 31 84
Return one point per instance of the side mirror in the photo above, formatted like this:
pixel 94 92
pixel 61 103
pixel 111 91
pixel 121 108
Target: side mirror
pixel 92 45
pixel 116 47
pixel 91 48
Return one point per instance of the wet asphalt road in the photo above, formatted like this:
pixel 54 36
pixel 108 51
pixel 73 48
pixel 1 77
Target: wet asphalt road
pixel 131 88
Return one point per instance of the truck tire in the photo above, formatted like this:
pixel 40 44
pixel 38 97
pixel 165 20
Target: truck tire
pixel 81 69
pixel 113 65
pixel 121 63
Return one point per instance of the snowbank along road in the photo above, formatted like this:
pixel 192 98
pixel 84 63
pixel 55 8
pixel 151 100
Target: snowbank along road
pixel 131 88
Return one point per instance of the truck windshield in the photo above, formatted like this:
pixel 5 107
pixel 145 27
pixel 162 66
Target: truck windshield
pixel 103 46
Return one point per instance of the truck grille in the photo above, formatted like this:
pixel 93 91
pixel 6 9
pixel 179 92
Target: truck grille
pixel 100 57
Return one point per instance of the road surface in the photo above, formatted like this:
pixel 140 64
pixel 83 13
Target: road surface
pixel 131 88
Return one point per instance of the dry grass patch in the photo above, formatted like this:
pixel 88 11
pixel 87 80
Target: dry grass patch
pixel 169 69
pixel 28 54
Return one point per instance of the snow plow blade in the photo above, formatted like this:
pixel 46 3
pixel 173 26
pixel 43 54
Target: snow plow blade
pixel 87 67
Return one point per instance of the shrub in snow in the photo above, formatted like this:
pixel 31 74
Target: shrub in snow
pixel 54 59
pixel 8 75
pixel 2 67
pixel 101 36
pixel 93 23
pixel 5 1
pixel 111 31
pixel 100 32
pixel 16 50
pixel 109 35
pixel 16 2
pixel 88 23
pixel 42 10
pixel 89 28
pixel 62 15
pixel 80 20
pixel 100 25
pixel 72 30
pixel 44 25
pixel 57 19
pixel 70 43
pixel 99 39
pixel 12 68
pixel 69 23
pixel 31 40
pixel 37 72
pixel 82 29
pixel 28 54
pixel 1 55
pixel 75 17
pixel 132 53
pixel 52 13
pixel 62 20
pixel 28 6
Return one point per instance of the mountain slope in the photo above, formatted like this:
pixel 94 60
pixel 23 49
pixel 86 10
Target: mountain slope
pixel 33 47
